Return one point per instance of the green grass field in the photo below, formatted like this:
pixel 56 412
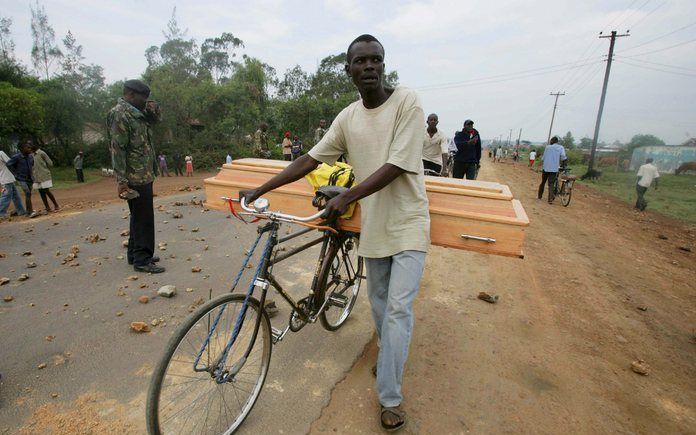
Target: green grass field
pixel 675 195
pixel 65 177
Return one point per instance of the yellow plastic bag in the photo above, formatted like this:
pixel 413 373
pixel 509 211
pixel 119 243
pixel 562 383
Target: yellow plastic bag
pixel 340 174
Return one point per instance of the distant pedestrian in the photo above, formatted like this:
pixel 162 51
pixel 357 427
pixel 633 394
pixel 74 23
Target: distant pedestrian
pixel 178 164
pixel 42 178
pixel 261 142
pixel 647 174
pixel 162 159
pixel 9 190
pixel 498 154
pixel 532 157
pixel 435 145
pixel 189 165
pixel 77 162
pixel 133 159
pixel 554 158
pixel 287 145
pixel 21 165
pixel 468 157
pixel 228 159
pixel 296 147
pixel 320 131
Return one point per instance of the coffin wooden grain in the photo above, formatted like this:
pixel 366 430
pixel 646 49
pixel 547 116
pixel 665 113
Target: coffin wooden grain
pixel 476 215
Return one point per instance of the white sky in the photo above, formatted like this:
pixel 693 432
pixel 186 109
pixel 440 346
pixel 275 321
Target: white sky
pixel 439 47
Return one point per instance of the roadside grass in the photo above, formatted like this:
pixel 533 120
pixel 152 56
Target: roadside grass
pixel 64 177
pixel 675 195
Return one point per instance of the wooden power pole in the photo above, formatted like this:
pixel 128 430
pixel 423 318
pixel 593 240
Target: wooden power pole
pixel 612 39
pixel 555 104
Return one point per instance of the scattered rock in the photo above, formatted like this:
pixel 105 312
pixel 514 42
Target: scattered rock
pixel 206 247
pixel 125 233
pixel 143 299
pixel 119 313
pixel 50 337
pixel 178 204
pixel 662 237
pixel 4 280
pixel 74 249
pixel 196 269
pixel 3 255
pixel 177 215
pixel 189 290
pixel 133 278
pixel 165 222
pixel 23 277
pixel 155 322
pixel 167 291
pixel 8 298
pixel 195 230
pixel 685 248
pixel 119 257
pixel 41 366
pixel 198 302
pixel 70 257
pixel 488 298
pixel 642 308
pixel 94 238
pixel 124 243
pixel 31 265
pixel 140 327
pixel 26 253
pixel 640 367
pixel 621 339
pixel 54 395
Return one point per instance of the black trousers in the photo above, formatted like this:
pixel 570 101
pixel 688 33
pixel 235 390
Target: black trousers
pixel 432 166
pixel 178 169
pixel 462 169
pixel 80 175
pixel 641 203
pixel 141 243
pixel 549 177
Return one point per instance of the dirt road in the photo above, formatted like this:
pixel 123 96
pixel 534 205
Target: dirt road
pixel 600 286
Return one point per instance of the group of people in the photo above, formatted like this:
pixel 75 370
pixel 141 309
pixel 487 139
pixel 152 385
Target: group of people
pixel 464 149
pixel 291 145
pixel 179 162
pixel 27 170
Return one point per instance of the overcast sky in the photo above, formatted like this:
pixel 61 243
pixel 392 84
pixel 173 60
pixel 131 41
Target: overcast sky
pixel 492 61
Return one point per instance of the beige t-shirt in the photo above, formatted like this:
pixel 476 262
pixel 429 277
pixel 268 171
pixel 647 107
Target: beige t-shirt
pixel 647 173
pixel 396 218
pixel 434 147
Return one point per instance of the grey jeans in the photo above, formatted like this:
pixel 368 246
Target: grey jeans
pixel 392 285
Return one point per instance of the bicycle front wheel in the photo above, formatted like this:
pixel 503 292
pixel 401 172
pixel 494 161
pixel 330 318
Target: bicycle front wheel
pixel 566 193
pixel 184 397
pixel 339 281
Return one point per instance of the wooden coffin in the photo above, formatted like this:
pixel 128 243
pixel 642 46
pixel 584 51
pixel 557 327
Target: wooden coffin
pixel 476 216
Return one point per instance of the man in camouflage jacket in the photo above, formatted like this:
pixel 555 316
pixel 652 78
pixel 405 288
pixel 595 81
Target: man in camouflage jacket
pixel 133 160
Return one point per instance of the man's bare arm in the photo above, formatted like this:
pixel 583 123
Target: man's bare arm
pixel 297 169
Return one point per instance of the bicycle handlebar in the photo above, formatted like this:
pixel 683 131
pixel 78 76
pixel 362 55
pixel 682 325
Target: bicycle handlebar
pixel 260 208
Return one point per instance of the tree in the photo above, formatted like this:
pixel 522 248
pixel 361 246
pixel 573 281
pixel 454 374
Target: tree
pixel 44 52
pixel 217 54
pixel 72 59
pixel 585 143
pixel 644 140
pixel 6 43
pixel 568 141
pixel 21 113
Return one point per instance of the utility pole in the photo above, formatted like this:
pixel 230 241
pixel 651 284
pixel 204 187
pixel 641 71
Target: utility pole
pixel 555 104
pixel 509 138
pixel 519 136
pixel 612 39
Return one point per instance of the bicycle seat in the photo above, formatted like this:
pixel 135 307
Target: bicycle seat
pixel 325 193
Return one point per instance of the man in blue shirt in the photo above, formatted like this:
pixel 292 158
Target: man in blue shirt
pixel 21 165
pixel 553 158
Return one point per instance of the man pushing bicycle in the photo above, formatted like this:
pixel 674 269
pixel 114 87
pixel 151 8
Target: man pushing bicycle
pixel 382 133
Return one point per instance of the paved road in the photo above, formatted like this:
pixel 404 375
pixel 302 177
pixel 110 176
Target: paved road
pixel 95 358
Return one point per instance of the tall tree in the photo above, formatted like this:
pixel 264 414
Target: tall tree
pixel 6 43
pixel 72 59
pixel 217 55
pixel 44 51
pixel 568 141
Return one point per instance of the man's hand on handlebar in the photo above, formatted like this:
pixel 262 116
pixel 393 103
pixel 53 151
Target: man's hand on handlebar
pixel 249 195
pixel 336 207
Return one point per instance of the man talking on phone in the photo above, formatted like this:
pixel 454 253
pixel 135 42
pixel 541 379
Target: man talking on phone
pixel 133 159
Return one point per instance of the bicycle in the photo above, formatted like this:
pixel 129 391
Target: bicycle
pixel 565 191
pixel 215 364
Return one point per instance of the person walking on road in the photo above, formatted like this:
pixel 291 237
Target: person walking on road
pixel 189 165
pixel 287 146
pixel 21 165
pixel 77 162
pixel 532 157
pixel 383 135
pixel 498 154
pixel 554 157
pixel 647 174
pixel 296 147
pixel 133 158
pixel 178 164
pixel 435 144
pixel 468 157
pixel 42 178
pixel 162 159
pixel 9 190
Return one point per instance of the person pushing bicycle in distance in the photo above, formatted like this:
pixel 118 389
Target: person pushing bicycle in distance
pixel 435 154
pixel 383 134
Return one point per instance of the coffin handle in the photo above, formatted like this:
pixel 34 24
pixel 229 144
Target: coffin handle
pixel 483 239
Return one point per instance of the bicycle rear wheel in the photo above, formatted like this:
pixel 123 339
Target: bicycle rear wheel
pixel 339 281
pixel 566 193
pixel 184 400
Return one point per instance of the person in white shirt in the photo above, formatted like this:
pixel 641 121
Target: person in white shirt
pixel 647 174
pixel 434 147
pixel 9 190
pixel 228 159
pixel 532 157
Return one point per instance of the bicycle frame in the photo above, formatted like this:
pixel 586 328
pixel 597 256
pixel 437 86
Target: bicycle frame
pixel 262 278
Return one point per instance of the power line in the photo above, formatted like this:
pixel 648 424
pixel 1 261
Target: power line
pixel 662 36
pixel 657 69
pixel 637 23
pixel 656 63
pixel 663 49
pixel 633 13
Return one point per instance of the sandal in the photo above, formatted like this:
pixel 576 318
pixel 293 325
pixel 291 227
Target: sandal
pixel 396 411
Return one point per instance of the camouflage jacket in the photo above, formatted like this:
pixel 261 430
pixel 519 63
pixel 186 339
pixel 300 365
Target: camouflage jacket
pixel 318 134
pixel 130 142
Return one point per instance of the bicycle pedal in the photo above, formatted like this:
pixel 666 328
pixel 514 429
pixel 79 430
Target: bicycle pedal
pixel 277 335
pixel 340 301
